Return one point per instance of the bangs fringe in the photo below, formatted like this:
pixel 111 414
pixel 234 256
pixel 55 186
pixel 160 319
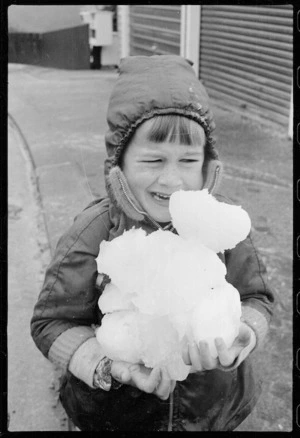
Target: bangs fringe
pixel 173 128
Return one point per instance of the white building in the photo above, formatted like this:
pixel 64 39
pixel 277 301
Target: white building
pixel 103 41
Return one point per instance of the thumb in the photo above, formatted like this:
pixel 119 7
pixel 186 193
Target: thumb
pixel 244 336
pixel 120 372
pixel 99 280
pixel 242 341
pixel 173 384
pixel 155 377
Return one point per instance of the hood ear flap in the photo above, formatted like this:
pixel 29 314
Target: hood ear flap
pixel 212 174
pixel 120 193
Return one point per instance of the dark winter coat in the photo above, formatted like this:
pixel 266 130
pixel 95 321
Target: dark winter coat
pixel 211 400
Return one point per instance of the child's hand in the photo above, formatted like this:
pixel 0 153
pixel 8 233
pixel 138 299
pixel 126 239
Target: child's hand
pixel 200 358
pixel 241 347
pixel 148 380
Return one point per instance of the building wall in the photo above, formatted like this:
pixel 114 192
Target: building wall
pixel 66 48
pixel 24 48
pixel 154 29
pixel 245 52
pixel 246 57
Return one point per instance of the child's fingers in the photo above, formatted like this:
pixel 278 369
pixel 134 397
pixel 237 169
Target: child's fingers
pixel 173 384
pixel 225 356
pixel 145 379
pixel 185 354
pixel 163 389
pixel 120 372
pixel 153 380
pixel 195 356
pixel 208 362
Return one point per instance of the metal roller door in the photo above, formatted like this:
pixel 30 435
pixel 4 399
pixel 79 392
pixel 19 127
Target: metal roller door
pixel 154 29
pixel 246 57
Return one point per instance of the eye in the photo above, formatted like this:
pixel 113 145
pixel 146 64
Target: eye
pixel 189 160
pixel 151 161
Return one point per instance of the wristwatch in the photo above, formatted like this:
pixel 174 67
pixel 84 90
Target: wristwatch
pixel 102 376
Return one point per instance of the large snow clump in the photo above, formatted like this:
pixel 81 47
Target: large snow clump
pixel 197 215
pixel 167 289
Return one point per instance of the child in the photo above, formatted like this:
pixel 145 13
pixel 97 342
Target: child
pixel 159 141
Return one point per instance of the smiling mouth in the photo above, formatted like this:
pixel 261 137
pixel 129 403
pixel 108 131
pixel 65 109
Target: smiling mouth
pixel 160 196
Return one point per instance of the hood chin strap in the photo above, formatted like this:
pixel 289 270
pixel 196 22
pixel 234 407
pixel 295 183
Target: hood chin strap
pixel 213 176
pixel 121 195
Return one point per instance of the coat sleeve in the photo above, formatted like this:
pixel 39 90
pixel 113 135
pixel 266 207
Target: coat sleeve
pixel 247 273
pixel 67 304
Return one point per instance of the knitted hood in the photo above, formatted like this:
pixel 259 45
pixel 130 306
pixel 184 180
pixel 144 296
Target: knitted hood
pixel 148 86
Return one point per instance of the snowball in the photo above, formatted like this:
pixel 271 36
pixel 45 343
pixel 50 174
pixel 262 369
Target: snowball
pixel 217 315
pixel 164 274
pixel 119 337
pixel 161 347
pixel 197 215
pixel 167 289
pixel 115 260
pixel 138 338
pixel 113 299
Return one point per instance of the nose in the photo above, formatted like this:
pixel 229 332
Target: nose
pixel 170 177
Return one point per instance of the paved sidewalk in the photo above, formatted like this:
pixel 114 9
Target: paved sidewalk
pixel 32 400
pixel 62 117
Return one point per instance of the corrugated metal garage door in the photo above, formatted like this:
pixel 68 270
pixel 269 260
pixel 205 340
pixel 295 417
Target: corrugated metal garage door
pixel 154 29
pixel 246 55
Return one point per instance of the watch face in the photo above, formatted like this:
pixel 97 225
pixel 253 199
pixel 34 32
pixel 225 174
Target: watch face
pixel 102 376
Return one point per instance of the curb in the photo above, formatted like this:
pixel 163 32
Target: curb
pixel 33 170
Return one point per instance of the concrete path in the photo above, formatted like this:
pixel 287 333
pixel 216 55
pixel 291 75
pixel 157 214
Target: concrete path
pixel 32 399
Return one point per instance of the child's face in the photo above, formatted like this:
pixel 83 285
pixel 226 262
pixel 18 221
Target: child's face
pixel 156 170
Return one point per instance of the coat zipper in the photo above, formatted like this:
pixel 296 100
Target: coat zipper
pixel 136 209
pixel 171 412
